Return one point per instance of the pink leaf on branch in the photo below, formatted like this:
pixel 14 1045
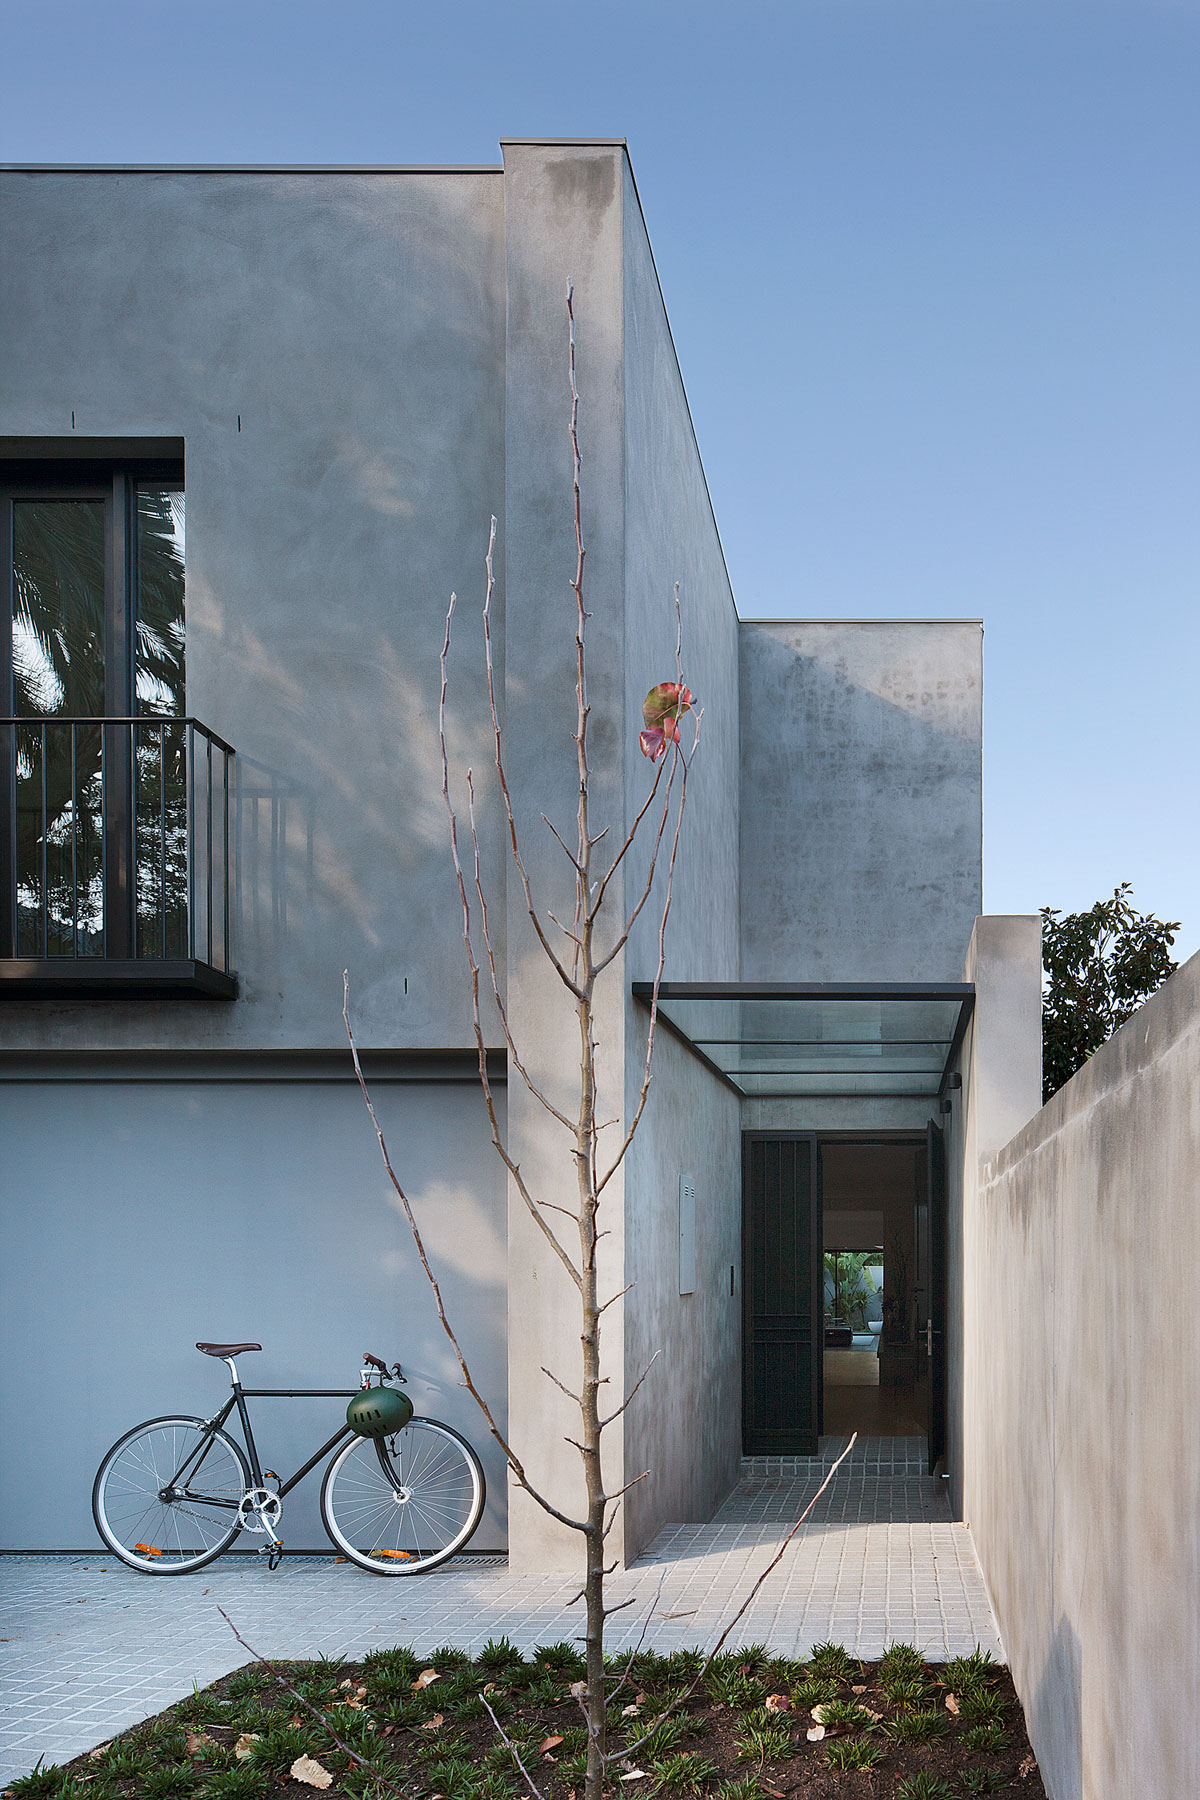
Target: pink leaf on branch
pixel 662 710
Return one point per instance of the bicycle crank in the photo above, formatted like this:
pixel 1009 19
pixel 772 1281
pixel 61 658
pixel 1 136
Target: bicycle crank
pixel 260 1511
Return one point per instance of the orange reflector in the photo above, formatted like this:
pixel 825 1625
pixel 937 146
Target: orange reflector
pixel 147 1549
pixel 396 1555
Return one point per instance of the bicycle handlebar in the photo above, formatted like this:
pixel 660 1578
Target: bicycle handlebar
pixel 377 1362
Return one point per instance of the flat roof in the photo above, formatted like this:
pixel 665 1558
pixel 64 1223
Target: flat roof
pixel 821 1039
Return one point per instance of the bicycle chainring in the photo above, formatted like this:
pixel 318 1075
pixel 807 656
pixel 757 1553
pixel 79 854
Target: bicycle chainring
pixel 260 1510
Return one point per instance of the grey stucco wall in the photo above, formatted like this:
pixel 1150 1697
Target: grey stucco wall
pixel 861 834
pixel 179 1206
pixel 684 1427
pixel 354 323
pixel 562 221
pixel 1083 1496
pixel 1000 1065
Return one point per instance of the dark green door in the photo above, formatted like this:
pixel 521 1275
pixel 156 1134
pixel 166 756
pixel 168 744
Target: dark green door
pixel 781 1288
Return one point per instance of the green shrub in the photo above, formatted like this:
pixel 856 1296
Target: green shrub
pixel 852 1753
pixel 833 1661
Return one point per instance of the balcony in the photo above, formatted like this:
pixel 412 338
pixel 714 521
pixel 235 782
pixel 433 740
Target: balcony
pixel 115 864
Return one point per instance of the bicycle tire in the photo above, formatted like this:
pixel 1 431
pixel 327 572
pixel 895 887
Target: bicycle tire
pixel 135 1521
pixel 412 1524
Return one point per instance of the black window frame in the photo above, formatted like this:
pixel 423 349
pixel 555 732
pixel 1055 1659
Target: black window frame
pixel 113 480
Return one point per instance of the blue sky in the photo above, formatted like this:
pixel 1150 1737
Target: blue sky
pixel 933 269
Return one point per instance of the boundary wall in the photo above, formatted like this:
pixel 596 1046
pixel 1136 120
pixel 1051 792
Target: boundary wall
pixel 1083 1364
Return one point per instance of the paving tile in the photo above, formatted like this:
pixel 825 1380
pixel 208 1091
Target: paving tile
pixel 97 1647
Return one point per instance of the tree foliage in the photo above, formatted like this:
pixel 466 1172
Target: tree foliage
pixel 1100 965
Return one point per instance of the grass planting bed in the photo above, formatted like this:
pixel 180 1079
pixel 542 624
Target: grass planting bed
pixel 756 1728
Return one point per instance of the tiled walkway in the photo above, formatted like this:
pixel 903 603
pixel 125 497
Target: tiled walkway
pixel 88 1646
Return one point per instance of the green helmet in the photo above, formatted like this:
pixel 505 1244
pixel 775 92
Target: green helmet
pixel 379 1411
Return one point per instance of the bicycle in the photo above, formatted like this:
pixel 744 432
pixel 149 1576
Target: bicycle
pixel 174 1493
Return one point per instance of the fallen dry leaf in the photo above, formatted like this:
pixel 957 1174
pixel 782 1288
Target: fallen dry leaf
pixel 98 1752
pixel 578 1689
pixel 634 1775
pixel 1027 1767
pixel 310 1773
pixel 198 1742
pixel 244 1747
pixel 631 1711
pixel 818 1713
pixel 435 1723
pixel 490 1688
pixel 424 1679
pixel 815 1733
pixel 777 1703
pixel 858 1690
pixel 549 1743
pixel 951 1704
pixel 775 1793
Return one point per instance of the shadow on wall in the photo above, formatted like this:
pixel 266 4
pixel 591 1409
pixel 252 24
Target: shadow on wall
pixel 1055 1711
pixel 861 835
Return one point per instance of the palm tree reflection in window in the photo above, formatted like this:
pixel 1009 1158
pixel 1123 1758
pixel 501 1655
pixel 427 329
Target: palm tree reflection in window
pixel 65 766
pixel 161 834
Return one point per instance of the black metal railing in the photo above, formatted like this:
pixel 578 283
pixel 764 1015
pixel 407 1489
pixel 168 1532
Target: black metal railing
pixel 116 845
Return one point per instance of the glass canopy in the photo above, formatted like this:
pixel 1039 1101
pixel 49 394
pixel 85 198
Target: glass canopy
pixel 832 1039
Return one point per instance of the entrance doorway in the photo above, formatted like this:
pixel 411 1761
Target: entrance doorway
pixel 844 1285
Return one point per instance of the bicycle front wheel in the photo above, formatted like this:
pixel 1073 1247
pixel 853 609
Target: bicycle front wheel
pixel 166 1496
pixel 403 1504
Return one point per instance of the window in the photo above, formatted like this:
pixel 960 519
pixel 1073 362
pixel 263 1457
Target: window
pixel 102 768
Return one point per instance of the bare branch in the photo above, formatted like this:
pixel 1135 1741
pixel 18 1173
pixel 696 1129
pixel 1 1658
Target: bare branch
pixel 569 854
pixel 498 743
pixel 516 1754
pixel 372 1768
pixel 608 1498
pixel 641 1639
pixel 476 1016
pixel 613 1298
pixel 633 1390
pixel 501 1008
pixel 558 1384
pixel 648 884
pixel 687 1693
pixel 514 1462
pixel 627 845
pixel 640 1108
pixel 620 1607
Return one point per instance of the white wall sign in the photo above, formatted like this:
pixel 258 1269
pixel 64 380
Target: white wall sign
pixel 687 1234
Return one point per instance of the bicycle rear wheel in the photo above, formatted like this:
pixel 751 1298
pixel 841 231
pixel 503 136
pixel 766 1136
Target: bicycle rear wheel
pixel 402 1505
pixel 166 1496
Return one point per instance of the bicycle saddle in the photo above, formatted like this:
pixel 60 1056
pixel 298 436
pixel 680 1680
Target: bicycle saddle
pixel 226 1349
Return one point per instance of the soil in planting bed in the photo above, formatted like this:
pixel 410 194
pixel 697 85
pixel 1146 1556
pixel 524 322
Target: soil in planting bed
pixel 755 1728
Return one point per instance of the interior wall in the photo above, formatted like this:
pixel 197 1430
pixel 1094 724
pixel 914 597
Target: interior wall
pixel 143 1215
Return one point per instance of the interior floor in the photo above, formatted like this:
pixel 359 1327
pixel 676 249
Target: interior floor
pixel 854 1400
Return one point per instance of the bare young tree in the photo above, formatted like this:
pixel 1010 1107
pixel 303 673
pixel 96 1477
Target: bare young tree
pixel 579 958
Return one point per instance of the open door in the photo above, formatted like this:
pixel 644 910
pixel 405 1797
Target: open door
pixel 781 1288
pixel 935 1328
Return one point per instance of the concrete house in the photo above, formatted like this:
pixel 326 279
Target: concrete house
pixel 221 788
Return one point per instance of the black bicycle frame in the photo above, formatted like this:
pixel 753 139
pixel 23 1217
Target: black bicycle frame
pixel 238 1398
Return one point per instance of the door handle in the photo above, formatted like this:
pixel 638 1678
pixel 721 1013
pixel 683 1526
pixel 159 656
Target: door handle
pixel 929 1339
